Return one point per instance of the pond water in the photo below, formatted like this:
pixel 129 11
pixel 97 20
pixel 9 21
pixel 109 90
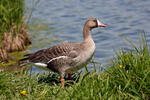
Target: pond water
pixel 63 20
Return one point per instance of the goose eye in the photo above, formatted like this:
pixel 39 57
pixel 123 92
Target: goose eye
pixel 95 21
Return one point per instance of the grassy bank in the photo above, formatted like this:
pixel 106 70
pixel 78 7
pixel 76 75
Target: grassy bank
pixel 128 77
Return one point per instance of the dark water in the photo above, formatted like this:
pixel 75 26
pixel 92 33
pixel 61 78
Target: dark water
pixel 64 19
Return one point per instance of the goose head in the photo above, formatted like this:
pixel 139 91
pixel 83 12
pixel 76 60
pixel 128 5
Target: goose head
pixel 93 23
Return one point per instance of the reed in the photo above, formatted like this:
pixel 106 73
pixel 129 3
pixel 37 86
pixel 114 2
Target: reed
pixel 11 13
pixel 12 28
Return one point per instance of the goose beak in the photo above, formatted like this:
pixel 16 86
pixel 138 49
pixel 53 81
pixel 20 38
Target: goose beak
pixel 100 24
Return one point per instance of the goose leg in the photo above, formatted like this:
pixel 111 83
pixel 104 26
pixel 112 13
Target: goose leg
pixel 63 82
pixel 69 76
pixel 62 75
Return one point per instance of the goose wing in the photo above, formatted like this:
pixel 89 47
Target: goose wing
pixel 66 49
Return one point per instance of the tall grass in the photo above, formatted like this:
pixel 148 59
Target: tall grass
pixel 128 78
pixel 133 79
pixel 11 13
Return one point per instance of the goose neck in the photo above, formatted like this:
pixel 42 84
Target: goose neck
pixel 87 33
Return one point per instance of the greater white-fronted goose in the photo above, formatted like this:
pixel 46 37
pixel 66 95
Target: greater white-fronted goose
pixel 67 57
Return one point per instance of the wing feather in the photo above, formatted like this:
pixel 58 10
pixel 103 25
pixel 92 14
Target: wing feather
pixel 70 49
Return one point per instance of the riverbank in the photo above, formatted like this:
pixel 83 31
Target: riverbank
pixel 127 77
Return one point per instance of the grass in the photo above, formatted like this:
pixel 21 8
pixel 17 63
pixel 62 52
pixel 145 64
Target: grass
pixel 128 77
pixel 11 13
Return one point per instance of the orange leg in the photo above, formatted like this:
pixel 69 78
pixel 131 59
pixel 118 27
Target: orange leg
pixel 69 76
pixel 63 82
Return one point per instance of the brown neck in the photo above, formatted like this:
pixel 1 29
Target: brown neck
pixel 86 33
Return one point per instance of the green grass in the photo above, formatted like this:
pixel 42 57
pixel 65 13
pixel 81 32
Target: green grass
pixel 11 13
pixel 132 82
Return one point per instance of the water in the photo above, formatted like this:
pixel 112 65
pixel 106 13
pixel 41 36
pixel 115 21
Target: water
pixel 65 19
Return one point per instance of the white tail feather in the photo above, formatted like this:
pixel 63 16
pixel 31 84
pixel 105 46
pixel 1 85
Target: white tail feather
pixel 41 64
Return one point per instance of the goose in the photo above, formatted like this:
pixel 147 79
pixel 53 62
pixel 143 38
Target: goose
pixel 67 57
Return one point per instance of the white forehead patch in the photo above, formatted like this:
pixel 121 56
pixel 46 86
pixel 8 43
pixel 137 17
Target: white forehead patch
pixel 98 22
